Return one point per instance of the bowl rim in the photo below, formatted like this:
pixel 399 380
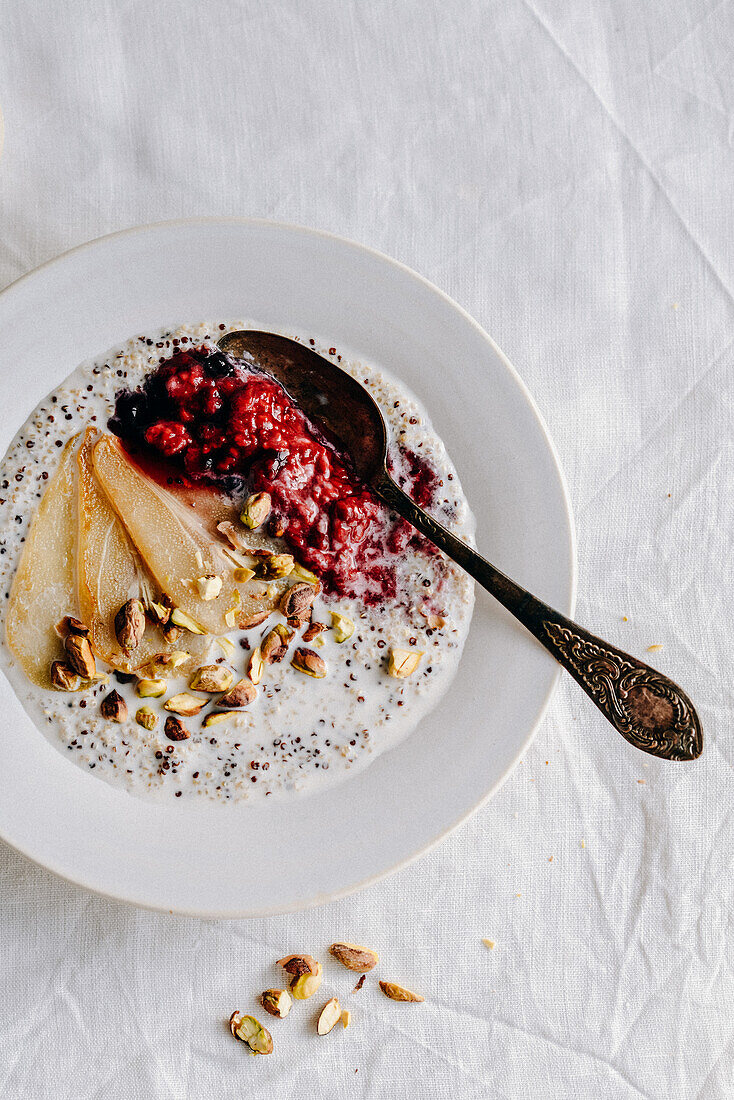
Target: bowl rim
pixel 355 887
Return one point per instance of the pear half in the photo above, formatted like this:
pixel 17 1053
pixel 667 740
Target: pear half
pixel 110 572
pixel 175 546
pixel 44 586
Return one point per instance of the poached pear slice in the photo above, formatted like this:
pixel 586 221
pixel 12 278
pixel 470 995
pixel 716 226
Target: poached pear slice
pixel 175 546
pixel 110 572
pixel 44 586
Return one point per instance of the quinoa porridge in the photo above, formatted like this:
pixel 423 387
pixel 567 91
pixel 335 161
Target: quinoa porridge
pixel 200 599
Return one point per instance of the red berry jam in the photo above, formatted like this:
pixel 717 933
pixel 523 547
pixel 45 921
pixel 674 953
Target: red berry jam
pixel 219 423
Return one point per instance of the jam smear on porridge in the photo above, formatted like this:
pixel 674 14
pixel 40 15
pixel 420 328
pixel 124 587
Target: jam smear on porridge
pixel 221 424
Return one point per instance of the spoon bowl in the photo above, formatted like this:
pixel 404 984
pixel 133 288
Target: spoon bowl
pixel 339 405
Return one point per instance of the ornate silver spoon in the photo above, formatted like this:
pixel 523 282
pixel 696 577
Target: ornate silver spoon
pixel 647 708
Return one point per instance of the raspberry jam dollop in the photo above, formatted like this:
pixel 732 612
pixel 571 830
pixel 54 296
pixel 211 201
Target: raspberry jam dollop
pixel 221 424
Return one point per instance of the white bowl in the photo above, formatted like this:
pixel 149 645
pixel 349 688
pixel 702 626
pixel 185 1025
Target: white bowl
pixel 227 861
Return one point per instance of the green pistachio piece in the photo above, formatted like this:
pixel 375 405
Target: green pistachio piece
pixel 275 565
pixel 180 618
pixel 342 626
pixel 242 575
pixel 302 574
pixel 146 717
pixel 151 689
pixel 256 510
pixel 249 1030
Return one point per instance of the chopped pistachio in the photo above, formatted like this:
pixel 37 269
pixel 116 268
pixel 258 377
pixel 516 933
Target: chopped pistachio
pixel 180 618
pixel 256 510
pixel 309 663
pixel 130 625
pixel 275 644
pixel 175 730
pixel 242 575
pixel 63 677
pixel 435 622
pixel 275 565
pixel 296 601
pixel 79 655
pixel 307 975
pixel 298 964
pixel 342 626
pixel 277 1002
pixel 146 717
pixel 171 633
pixel 70 625
pixel 304 986
pixel 232 614
pixel 255 666
pixel 184 704
pixel 330 1016
pixel 159 612
pixel 354 957
pixel 164 662
pixel 403 662
pixel 302 574
pixel 151 689
pixel 241 695
pixel 250 1031
pixel 312 631
pixel 398 993
pixel 209 587
pixel 212 678
pixel 113 707
pixel 217 717
pixel 178 657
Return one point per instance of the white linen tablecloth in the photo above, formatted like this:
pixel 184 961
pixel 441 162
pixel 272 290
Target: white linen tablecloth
pixel 564 169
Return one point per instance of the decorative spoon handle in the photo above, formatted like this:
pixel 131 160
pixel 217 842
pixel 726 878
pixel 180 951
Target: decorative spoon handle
pixel 647 708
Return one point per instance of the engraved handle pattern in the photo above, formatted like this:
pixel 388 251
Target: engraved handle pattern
pixel 647 708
